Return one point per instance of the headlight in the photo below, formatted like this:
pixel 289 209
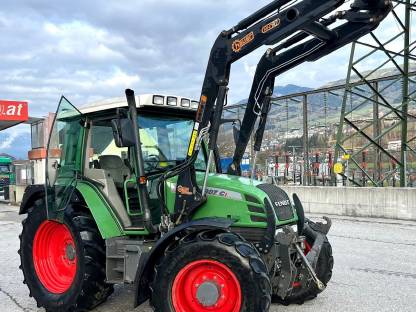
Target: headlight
pixel 185 103
pixel 172 101
pixel 158 100
pixel 194 104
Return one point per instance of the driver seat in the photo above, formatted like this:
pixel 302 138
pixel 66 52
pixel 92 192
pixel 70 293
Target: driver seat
pixel 115 168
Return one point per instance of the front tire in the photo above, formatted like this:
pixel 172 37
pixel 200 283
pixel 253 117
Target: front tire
pixel 63 263
pixel 211 271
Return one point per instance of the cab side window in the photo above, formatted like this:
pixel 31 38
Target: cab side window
pixel 102 144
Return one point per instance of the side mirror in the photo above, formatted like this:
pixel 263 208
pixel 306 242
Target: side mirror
pixel 123 132
pixel 236 130
pixel 236 134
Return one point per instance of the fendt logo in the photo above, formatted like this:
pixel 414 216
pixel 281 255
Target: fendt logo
pixel 282 203
pixel 13 111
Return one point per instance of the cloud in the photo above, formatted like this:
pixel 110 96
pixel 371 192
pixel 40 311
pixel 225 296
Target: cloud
pixel 121 79
pixel 7 143
pixel 15 141
pixel 79 39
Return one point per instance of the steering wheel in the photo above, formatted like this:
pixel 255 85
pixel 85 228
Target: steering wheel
pixel 152 161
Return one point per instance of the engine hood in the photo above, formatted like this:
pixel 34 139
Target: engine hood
pixel 250 195
pixel 227 185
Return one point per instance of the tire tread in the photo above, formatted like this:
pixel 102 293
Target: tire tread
pixel 223 240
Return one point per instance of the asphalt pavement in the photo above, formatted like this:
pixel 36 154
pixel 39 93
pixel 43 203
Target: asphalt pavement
pixel 375 269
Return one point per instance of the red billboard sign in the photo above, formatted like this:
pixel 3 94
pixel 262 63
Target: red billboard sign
pixel 13 110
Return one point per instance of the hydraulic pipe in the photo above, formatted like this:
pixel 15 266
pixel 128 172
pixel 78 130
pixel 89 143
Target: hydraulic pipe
pixel 258 137
pixel 216 120
pixel 215 126
pixel 321 31
pixel 301 35
pixel 259 14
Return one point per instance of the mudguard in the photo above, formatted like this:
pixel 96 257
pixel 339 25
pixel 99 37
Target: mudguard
pixel 104 217
pixel 146 265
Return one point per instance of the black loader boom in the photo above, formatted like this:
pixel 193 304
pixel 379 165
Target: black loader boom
pixel 293 21
pixel 363 17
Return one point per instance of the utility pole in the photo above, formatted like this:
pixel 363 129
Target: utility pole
pixel 403 154
pixel 295 162
pixel 398 47
pixel 376 133
pixel 305 141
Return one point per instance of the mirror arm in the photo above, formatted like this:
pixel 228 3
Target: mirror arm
pixel 232 120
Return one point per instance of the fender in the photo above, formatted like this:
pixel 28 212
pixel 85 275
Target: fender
pixel 299 211
pixel 147 263
pixel 31 194
pixel 105 218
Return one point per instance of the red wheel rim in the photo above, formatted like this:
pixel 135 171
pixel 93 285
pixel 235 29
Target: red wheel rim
pixel 206 285
pixel 54 256
pixel 307 247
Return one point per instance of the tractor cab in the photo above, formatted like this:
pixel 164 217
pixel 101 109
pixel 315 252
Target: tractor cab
pixel 84 145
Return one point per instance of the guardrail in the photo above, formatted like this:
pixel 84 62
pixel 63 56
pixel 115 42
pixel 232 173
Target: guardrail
pixel 391 203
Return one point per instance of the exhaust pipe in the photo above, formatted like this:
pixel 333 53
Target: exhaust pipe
pixel 140 174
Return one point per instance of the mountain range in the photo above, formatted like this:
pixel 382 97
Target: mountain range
pixel 15 144
pixel 18 143
pixel 283 90
pixel 325 107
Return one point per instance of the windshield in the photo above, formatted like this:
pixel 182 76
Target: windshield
pixel 165 141
pixel 4 169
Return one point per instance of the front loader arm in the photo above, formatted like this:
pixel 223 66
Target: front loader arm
pixel 267 26
pixel 268 29
pixel 358 23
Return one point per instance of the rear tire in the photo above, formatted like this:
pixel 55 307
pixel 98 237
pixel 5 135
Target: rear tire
pixel 211 271
pixel 74 277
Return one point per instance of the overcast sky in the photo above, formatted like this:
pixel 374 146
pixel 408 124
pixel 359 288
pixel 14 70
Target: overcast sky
pixel 92 49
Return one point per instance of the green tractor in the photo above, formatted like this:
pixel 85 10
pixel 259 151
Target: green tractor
pixel 134 194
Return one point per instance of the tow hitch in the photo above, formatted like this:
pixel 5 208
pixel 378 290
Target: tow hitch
pixel 311 271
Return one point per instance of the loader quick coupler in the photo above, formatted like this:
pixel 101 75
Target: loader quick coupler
pixel 288 242
pixel 285 268
pixel 322 227
pixel 318 232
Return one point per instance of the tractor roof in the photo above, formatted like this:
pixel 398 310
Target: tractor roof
pixel 152 100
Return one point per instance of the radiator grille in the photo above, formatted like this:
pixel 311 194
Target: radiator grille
pixel 280 200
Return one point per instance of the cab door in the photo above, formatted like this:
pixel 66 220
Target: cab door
pixel 64 159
